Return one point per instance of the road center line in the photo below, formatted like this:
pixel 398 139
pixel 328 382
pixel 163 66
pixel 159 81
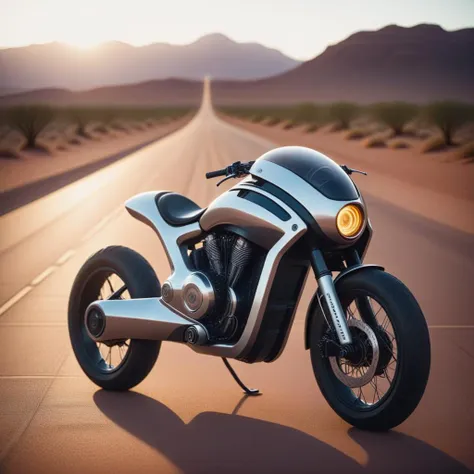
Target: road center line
pixel 65 257
pixel 14 299
pixel 43 275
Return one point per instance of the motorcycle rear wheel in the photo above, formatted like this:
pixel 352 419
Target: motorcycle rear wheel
pixel 404 353
pixel 102 274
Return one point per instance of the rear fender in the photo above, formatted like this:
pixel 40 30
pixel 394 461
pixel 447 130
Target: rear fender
pixel 314 301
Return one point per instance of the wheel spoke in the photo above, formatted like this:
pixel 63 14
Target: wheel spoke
pixel 375 390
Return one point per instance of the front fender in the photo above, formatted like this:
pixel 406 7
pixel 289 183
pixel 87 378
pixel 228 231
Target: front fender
pixel 314 300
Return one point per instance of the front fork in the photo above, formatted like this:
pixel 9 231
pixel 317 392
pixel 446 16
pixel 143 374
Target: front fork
pixel 328 291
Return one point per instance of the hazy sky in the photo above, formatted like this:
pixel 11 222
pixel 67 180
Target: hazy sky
pixel 299 28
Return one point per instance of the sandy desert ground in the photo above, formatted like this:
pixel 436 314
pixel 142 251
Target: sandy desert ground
pixel 34 165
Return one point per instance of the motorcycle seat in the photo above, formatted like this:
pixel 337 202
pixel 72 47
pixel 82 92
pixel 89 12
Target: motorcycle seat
pixel 177 210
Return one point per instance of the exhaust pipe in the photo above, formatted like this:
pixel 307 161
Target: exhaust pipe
pixel 145 318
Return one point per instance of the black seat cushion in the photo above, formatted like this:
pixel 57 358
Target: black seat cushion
pixel 178 210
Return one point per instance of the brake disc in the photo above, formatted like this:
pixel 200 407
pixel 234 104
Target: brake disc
pixel 364 373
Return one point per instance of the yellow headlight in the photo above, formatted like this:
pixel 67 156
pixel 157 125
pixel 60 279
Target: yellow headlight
pixel 350 220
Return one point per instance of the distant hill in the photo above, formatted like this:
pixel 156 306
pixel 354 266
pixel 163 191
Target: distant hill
pixel 160 93
pixel 418 64
pixel 60 65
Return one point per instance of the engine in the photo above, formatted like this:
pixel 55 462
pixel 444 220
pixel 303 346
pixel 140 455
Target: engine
pixel 232 264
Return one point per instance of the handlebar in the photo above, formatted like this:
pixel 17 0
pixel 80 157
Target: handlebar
pixel 215 174
pixel 235 170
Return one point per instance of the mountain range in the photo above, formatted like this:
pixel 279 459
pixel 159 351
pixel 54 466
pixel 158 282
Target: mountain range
pixel 418 64
pixel 114 63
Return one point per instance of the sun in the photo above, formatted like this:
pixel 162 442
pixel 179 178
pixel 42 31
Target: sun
pixel 83 43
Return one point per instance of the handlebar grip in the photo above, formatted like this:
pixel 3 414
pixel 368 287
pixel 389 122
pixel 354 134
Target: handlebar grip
pixel 215 174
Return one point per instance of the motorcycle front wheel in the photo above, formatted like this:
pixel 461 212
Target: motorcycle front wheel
pixel 380 381
pixel 117 364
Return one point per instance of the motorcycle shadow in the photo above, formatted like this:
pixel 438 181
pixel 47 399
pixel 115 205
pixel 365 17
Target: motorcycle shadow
pixel 217 442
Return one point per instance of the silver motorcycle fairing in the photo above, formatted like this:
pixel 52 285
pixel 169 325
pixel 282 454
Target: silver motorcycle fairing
pixel 144 208
pixel 290 232
pixel 323 210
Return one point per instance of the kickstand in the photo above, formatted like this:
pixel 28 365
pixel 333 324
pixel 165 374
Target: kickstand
pixel 247 390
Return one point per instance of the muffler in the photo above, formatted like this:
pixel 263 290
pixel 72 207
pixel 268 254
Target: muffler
pixel 142 318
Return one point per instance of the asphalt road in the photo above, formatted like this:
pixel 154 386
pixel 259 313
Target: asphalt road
pixel 188 415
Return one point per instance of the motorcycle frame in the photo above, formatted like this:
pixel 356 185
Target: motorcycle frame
pixel 155 318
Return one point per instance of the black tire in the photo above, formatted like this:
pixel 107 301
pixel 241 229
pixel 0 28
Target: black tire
pixel 141 282
pixel 413 353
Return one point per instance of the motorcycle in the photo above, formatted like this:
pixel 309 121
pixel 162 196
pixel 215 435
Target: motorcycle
pixel 238 269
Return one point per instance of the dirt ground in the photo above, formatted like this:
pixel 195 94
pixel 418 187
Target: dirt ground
pixel 33 166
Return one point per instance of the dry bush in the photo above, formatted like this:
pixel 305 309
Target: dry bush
pixel 308 113
pixel 314 127
pixel 436 143
pixel 467 151
pixel 395 115
pixel 8 151
pixel 356 134
pixel 449 117
pixel 30 121
pixel 398 145
pixel 342 114
pixel 375 142
pixel 423 134
pixel 257 118
pixel 289 125
pixel 101 128
pixel 272 121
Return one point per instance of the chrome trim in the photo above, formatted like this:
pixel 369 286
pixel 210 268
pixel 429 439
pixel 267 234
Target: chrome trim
pixel 143 207
pixel 290 231
pixel 255 222
pixel 323 209
pixel 145 318
pixel 202 287
pixel 338 317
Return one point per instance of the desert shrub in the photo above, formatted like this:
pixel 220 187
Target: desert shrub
pixel 398 144
pixel 272 121
pixel 5 130
pixel 467 151
pixel 29 120
pixel 101 128
pixel 290 124
pixel 394 115
pixel 312 128
pixel 308 113
pixel 436 143
pixel 342 114
pixel 356 134
pixel 449 117
pixel 375 142
pixel 257 118
pixel 8 152
pixel 81 117
pixel 118 125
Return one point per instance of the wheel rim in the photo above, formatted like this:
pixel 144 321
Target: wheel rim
pixel 372 393
pixel 107 356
